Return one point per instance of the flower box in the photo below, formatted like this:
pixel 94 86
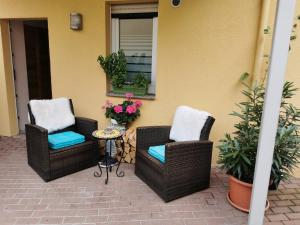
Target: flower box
pixel 130 88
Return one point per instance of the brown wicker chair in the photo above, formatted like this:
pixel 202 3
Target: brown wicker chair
pixel 51 164
pixel 187 164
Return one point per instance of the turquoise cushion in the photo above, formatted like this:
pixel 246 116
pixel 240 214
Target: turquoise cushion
pixel 157 152
pixel 64 139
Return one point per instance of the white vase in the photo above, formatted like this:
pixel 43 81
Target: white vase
pixel 120 127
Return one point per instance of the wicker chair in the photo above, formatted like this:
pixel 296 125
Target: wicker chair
pixel 187 164
pixel 51 164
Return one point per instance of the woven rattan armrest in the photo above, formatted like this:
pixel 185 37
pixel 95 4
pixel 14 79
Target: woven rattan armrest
pixel 86 126
pixel 151 136
pixel 37 145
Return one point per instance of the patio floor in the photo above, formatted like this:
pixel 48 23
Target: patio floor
pixel 83 199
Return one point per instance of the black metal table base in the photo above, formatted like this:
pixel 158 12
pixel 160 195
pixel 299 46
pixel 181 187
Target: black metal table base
pixel 108 163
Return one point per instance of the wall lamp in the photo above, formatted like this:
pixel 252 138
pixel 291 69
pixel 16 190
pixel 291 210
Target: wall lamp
pixel 75 21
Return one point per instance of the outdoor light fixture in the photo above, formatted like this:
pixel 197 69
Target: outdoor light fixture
pixel 75 21
pixel 176 3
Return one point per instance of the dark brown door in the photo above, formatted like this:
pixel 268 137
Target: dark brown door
pixel 38 62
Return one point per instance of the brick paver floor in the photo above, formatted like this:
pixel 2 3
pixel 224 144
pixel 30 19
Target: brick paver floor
pixel 81 198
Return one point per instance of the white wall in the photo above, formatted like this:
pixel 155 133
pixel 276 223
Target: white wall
pixel 19 61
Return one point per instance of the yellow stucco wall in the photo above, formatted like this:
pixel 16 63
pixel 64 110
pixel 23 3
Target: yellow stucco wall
pixel 8 114
pixel 203 47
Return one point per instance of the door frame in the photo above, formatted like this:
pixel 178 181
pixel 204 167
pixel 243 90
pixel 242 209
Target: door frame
pixel 19 71
pixel 8 113
pixel 9 121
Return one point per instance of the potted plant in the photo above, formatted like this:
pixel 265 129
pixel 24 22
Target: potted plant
pixel 238 151
pixel 141 83
pixel 114 67
pixel 123 113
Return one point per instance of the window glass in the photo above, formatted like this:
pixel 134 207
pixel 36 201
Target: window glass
pixel 135 36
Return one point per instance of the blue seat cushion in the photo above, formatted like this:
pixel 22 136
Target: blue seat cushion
pixel 157 152
pixel 64 139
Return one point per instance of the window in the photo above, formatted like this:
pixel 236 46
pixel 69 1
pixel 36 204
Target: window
pixel 134 30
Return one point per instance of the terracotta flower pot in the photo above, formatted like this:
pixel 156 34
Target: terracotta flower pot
pixel 239 194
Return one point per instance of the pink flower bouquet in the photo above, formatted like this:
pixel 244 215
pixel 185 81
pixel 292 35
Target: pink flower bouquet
pixel 123 113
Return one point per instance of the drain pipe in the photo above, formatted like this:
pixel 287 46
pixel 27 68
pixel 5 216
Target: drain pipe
pixel 261 38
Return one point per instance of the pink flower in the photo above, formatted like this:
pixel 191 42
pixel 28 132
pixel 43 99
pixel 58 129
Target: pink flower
pixel 131 109
pixel 108 104
pixel 118 109
pixel 129 95
pixel 138 103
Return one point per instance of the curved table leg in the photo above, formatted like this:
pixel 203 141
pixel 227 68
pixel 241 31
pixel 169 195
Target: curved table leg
pixel 121 173
pixel 96 173
pixel 106 180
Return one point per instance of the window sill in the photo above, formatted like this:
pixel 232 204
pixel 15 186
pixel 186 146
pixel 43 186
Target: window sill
pixel 147 97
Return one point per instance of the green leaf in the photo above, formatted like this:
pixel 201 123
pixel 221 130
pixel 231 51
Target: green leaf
pixel 246 159
pixel 267 30
pixel 244 76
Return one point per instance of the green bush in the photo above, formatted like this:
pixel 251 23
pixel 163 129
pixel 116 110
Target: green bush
pixel 141 81
pixel 114 66
pixel 238 151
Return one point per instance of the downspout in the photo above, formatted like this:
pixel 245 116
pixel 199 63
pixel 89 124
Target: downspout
pixel 260 43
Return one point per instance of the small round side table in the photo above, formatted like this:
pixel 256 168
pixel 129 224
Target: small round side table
pixel 109 134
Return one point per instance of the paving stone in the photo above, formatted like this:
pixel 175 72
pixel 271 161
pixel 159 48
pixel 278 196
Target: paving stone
pixel 291 186
pixel 73 220
pixel 7 220
pixel 282 209
pixel 51 220
pixel 286 197
pixel 272 203
pixel 119 223
pixel 29 220
pixel 295 208
pixel 293 215
pixel 277 217
pixel 273 223
pixel 297 196
pixel 36 207
pixel 289 191
pixel 94 219
pixel 284 203
pixel 274 192
pixel 295 181
pixel 294 222
pixel 162 222
pixel 273 197
pixel 296 201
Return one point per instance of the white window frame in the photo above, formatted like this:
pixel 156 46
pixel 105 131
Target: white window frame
pixel 115 46
pixel 152 86
pixel 115 34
